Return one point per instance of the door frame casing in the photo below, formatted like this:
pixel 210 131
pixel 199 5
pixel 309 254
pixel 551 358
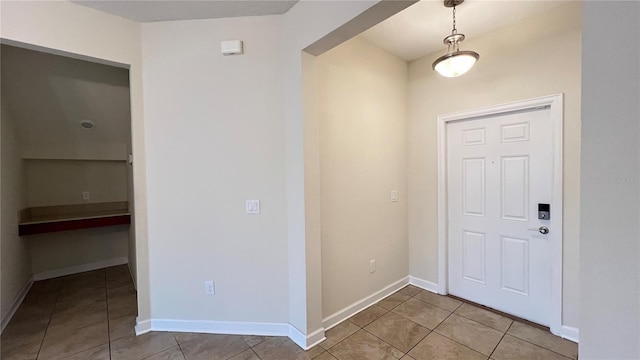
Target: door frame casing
pixel 556 107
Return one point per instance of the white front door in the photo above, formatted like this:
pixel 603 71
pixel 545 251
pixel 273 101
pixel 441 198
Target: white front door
pixel 499 169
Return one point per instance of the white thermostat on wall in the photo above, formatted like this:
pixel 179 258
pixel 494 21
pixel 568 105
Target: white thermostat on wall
pixel 231 47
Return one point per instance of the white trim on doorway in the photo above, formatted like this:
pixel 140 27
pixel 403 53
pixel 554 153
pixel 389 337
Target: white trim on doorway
pixel 555 104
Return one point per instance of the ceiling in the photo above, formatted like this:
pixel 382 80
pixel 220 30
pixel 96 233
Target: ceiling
pixel 154 10
pixel 410 34
pixel 419 30
pixel 48 96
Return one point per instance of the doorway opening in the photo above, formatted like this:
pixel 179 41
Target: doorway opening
pixel 66 170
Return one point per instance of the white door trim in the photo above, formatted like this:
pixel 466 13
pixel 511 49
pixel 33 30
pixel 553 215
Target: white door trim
pixel 555 104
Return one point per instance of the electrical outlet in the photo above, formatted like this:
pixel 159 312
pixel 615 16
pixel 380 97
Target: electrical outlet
pixel 372 266
pixel 394 195
pixel 209 287
pixel 86 195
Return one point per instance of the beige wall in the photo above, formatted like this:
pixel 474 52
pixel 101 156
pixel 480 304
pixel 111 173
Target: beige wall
pixel 64 26
pixel 362 107
pixel 610 208
pixel 323 23
pixel 15 262
pixel 320 25
pixel 216 139
pixel 71 251
pixel 61 182
pixel 543 59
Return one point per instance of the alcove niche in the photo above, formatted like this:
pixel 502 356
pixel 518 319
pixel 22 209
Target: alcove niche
pixel 67 162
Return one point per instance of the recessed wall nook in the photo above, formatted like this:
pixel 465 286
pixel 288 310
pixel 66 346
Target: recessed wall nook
pixel 66 143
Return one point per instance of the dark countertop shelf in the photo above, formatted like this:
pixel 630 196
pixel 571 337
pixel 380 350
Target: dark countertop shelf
pixel 47 219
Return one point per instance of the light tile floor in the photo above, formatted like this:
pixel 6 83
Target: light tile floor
pixel 90 316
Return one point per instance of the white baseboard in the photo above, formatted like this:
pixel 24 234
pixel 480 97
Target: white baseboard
pixel 220 327
pixel 306 342
pixel 423 284
pixel 80 268
pixel 570 333
pixel 342 315
pixel 142 326
pixel 232 328
pixel 16 303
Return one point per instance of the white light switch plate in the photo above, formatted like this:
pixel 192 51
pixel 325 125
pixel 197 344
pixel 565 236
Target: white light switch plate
pixel 394 195
pixel 252 207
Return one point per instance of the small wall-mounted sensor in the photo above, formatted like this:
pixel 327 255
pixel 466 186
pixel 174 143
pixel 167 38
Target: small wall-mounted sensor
pixel 231 47
pixel 252 207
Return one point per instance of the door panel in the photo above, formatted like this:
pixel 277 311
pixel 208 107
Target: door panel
pixel 473 137
pixel 515 187
pixel 498 170
pixel 473 186
pixel 515 132
pixel 515 265
pixel 473 256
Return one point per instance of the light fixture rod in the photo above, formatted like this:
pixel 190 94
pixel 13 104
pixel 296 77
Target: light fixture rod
pixel 454 21
pixel 455 62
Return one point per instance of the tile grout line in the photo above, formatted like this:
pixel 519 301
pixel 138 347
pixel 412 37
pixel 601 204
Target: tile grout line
pixel 50 318
pixel 160 352
pixel 513 321
pixel 451 312
pixel 180 346
pixel 498 344
pixel 336 344
pixel 501 313
pixel 106 295
pixel 376 336
pixel 490 327
pixel 57 297
pixel 430 330
pixel 456 341
pixel 358 326
pixel 255 353
pixel 86 326
pixel 388 311
pixel 540 346
pixel 438 306
pixel 419 341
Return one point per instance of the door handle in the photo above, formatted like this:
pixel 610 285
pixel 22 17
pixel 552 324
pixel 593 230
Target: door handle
pixel 542 229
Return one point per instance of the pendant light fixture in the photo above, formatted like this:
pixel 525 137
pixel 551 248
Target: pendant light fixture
pixel 454 62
